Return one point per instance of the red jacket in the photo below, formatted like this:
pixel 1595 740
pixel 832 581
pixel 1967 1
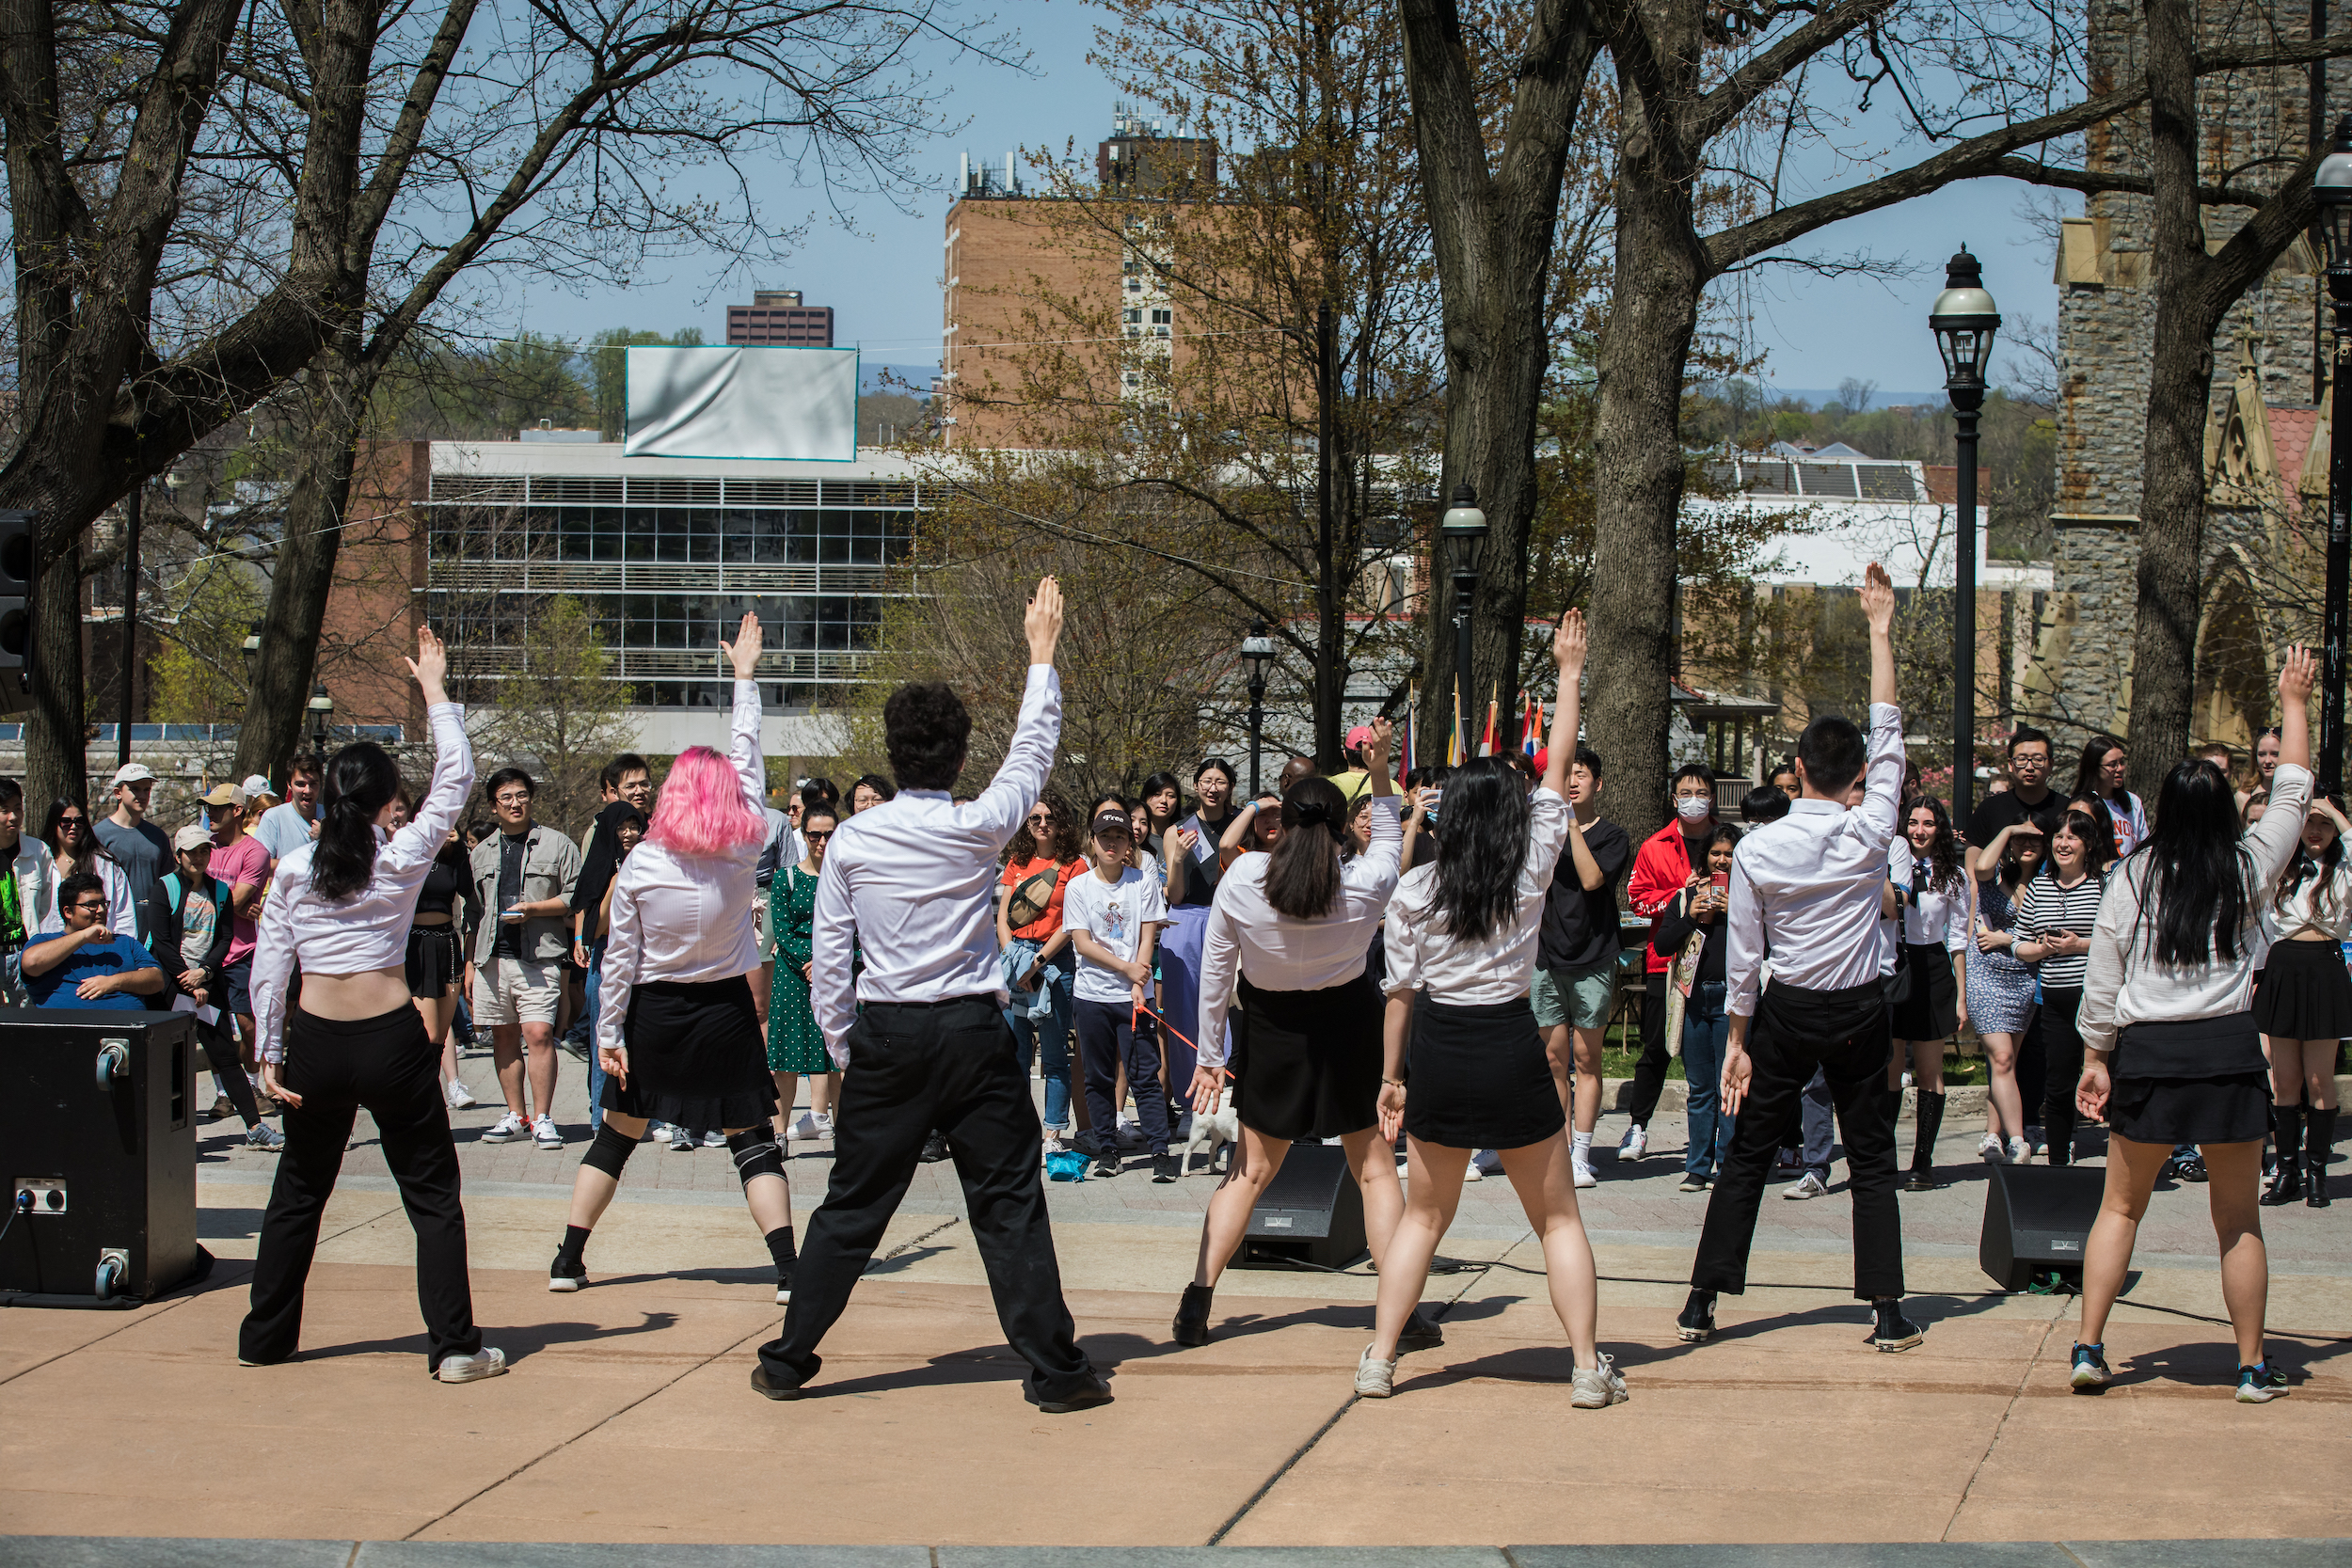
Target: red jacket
pixel 1660 869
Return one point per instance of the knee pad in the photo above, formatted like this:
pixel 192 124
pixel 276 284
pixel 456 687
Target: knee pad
pixel 755 1153
pixel 609 1150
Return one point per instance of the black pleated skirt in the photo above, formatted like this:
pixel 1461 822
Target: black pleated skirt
pixel 436 960
pixel 2305 992
pixel 2196 1081
pixel 695 1057
pixel 1931 1011
pixel 1307 1063
pixel 1477 1077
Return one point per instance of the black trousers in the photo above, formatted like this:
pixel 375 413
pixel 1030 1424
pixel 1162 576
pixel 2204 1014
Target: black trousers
pixel 388 1064
pixel 1109 1040
pixel 951 1065
pixel 1649 1073
pixel 2055 1023
pixel 1843 1033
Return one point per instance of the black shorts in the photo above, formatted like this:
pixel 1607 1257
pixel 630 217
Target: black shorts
pixel 238 977
pixel 436 961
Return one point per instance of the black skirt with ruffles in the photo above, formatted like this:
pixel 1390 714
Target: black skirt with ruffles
pixel 697 1058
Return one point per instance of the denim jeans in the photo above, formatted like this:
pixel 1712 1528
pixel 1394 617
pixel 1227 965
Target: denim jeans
pixel 1704 1031
pixel 1049 1034
pixel 595 987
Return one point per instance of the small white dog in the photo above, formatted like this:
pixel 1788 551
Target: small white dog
pixel 1221 1126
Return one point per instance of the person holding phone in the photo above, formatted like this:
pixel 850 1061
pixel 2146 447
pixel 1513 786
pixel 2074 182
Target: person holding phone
pixel 2053 923
pixel 2000 984
pixel 1692 927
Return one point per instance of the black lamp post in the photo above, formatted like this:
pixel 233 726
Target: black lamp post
pixel 2333 189
pixel 322 709
pixel 253 650
pixel 1257 648
pixel 1465 528
pixel 1964 321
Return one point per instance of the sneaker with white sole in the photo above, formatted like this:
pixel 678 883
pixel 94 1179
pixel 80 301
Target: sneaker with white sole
pixel 1582 1173
pixel 486 1362
pixel 805 1129
pixel 1634 1143
pixel 1810 1185
pixel 506 1129
pixel 2256 1384
pixel 2091 1373
pixel 714 1139
pixel 544 1133
pixel 680 1140
pixel 1989 1149
pixel 2019 1151
pixel 1598 1387
pixel 1694 1182
pixel 263 1136
pixel 1469 1172
pixel 1376 1379
pixel 459 1097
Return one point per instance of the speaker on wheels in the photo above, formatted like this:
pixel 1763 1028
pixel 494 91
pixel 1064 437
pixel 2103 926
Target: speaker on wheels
pixel 98 1134
pixel 1313 1212
pixel 2037 1220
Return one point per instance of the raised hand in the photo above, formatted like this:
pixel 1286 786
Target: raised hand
pixel 1043 623
pixel 1878 598
pixel 1377 754
pixel 2297 675
pixel 431 665
pixel 743 653
pixel 1570 642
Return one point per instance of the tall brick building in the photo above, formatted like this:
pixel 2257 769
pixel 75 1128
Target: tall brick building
pixel 776 318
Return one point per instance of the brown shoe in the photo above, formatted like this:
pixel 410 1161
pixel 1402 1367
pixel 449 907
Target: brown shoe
pixel 220 1108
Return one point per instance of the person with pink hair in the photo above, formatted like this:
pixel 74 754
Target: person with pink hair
pixel 677 1032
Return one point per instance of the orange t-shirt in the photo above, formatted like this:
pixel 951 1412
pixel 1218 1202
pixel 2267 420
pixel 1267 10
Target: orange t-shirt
pixel 1047 924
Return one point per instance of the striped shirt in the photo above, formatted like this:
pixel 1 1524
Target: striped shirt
pixel 2047 909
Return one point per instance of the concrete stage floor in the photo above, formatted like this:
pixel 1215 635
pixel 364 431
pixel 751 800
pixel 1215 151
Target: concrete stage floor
pixel 627 1417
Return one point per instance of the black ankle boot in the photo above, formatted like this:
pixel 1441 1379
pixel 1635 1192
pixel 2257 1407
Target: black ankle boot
pixel 2319 1140
pixel 1928 1123
pixel 2286 1182
pixel 1192 1315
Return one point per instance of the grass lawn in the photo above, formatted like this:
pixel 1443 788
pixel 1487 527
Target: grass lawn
pixel 1625 1049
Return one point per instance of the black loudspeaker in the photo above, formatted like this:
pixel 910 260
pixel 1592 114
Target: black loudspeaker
pixel 2037 1220
pixel 1313 1212
pixel 98 1129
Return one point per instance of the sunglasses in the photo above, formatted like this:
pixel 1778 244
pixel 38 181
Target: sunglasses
pixel 819 838
pixel 73 821
pixel 1041 818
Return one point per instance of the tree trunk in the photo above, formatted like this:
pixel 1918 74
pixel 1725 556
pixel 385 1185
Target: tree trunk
pixel 1661 270
pixel 55 742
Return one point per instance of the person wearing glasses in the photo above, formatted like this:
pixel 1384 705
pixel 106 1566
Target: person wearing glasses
pixel 795 1044
pixel 92 964
pixel 524 875
pixel 1044 854
pixel 74 848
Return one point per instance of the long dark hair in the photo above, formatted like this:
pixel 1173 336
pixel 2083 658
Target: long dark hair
pixel 361 780
pixel 2012 856
pixel 2098 841
pixel 2304 865
pixel 1066 843
pixel 1944 872
pixel 2194 896
pixel 1155 785
pixel 1476 891
pixel 1302 876
pixel 2087 780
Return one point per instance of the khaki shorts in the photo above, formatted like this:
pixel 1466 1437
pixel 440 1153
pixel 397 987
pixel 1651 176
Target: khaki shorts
pixel 1581 998
pixel 517 991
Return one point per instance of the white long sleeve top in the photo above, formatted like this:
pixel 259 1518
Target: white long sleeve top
pixel 369 931
pixel 686 917
pixel 1246 935
pixel 911 885
pixel 1807 888
pixel 1938 916
pixel 1476 973
pixel 2321 904
pixel 2125 985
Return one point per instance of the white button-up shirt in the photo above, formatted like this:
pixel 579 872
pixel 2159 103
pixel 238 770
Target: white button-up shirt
pixel 1940 918
pixel 1807 889
pixel 911 884
pixel 686 917
pixel 369 931
pixel 1476 973
pixel 1279 952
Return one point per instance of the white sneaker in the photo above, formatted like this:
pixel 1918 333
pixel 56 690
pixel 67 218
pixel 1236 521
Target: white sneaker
pixel 1583 1172
pixel 1598 1387
pixel 1810 1186
pixel 1989 1149
pixel 1634 1143
pixel 2036 1141
pixel 2019 1151
pixel 486 1362
pixel 1469 1172
pixel 509 1126
pixel 714 1139
pixel 460 1098
pixel 824 1124
pixel 544 1134
pixel 680 1140
pixel 805 1129
pixel 1375 1379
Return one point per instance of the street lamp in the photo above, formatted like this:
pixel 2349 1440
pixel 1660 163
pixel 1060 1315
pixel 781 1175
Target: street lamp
pixel 322 709
pixel 1964 321
pixel 2331 187
pixel 1465 528
pixel 252 659
pixel 1257 648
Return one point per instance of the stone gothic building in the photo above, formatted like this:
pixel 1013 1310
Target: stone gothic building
pixel 2267 431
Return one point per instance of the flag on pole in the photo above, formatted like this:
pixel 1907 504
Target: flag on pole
pixel 1487 741
pixel 1454 748
pixel 1532 731
pixel 1405 734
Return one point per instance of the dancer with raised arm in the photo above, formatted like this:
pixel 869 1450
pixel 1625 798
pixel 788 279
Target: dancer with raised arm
pixel 1287 936
pixel 341 905
pixel 910 884
pixel 1462 937
pixel 1807 890
pixel 677 1032
pixel 2172 1055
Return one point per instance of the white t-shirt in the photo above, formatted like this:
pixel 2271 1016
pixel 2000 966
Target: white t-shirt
pixel 1114 914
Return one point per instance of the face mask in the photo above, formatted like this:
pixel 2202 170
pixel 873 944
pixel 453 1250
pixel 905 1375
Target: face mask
pixel 1695 808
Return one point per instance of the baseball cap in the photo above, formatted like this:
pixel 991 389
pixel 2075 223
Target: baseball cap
pixel 1112 821
pixel 255 786
pixel 136 773
pixel 191 837
pixel 223 795
pixel 1359 737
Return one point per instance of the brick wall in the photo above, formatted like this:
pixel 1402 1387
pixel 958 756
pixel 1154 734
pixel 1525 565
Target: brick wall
pixel 370 623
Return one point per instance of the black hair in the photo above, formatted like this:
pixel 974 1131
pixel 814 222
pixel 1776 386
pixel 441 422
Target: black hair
pixel 11 792
pixel 2305 864
pixel 926 730
pixel 1762 804
pixel 1155 785
pixel 818 791
pixel 503 777
pixel 1475 892
pixel 1232 780
pixel 1786 765
pixel 360 781
pixel 2012 869
pixel 307 762
pixel 632 815
pixel 1834 754
pixel 1432 777
pixel 1302 877
pixel 2194 896
pixel 2026 735
pixel 876 783
pixel 1725 832
pixel 57 808
pixel 71 890
pixel 1588 759
pixel 829 812
pixel 1698 770
pixel 2098 835
pixel 621 768
pixel 2094 757
pixel 1066 846
pixel 2101 819
pixel 1944 868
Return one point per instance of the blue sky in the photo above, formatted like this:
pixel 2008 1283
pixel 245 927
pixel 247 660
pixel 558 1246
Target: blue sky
pixel 884 280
